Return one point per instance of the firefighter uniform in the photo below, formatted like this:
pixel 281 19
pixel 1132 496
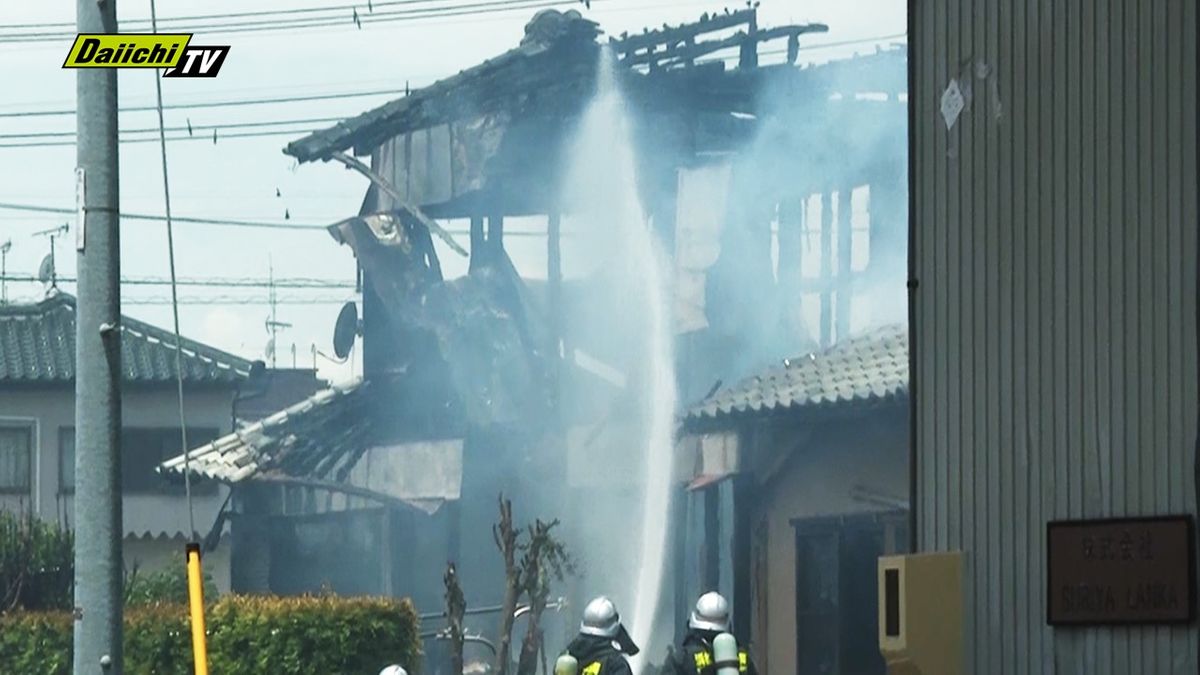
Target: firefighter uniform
pixel 602 643
pixel 695 657
pixel 709 619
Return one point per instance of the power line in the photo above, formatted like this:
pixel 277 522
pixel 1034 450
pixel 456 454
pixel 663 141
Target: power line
pixel 206 137
pixel 358 20
pixel 244 223
pixel 190 129
pixel 265 12
pixel 179 219
pixel 206 282
pixel 218 104
pixel 238 300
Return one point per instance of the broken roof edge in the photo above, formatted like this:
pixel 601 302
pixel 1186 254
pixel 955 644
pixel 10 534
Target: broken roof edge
pixel 200 461
pixel 345 135
pixel 361 133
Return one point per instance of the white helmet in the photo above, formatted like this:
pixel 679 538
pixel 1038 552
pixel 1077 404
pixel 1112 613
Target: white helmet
pixel 711 613
pixel 600 618
pixel 393 670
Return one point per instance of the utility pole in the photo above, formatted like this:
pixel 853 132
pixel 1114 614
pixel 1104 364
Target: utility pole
pixel 98 561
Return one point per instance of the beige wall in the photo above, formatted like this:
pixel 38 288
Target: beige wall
pixel 817 479
pixel 50 409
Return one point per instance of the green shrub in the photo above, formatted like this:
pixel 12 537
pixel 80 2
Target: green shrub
pixel 36 564
pixel 246 636
pixel 169 586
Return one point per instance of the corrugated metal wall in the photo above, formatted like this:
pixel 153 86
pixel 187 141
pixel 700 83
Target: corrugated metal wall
pixel 1055 248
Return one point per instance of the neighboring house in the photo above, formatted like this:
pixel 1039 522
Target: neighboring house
pixel 37 427
pixel 798 483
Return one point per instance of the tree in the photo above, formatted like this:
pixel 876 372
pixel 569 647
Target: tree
pixel 506 536
pixel 456 608
pixel 544 558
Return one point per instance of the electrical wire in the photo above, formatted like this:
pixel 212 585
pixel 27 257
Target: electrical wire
pixel 133 23
pixel 355 20
pixel 245 223
pixel 210 282
pixel 209 138
pixel 218 104
pixel 162 136
pixel 192 129
pixel 231 15
pixel 178 219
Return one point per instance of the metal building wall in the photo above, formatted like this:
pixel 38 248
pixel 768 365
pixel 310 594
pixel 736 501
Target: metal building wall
pixel 1054 317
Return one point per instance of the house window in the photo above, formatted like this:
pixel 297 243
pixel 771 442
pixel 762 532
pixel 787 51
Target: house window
pixel 16 451
pixel 837 605
pixel 142 450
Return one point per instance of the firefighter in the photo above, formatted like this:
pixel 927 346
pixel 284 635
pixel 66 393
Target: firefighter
pixel 602 643
pixel 709 619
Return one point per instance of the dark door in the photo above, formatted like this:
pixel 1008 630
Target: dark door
pixel 837 605
pixel 817 601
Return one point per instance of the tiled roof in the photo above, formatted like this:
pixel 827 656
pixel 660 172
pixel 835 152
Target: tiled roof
pixel 871 366
pixel 315 437
pixel 37 345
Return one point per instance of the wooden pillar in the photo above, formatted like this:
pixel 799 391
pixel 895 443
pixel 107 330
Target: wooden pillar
pixel 712 538
pixel 826 268
pixel 791 219
pixel 495 234
pixel 844 273
pixel 679 516
pixel 454 536
pixel 386 559
pixel 743 513
pixel 554 281
pixel 477 243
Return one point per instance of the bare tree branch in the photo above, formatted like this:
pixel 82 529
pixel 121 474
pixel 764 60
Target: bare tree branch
pixel 506 536
pixel 456 608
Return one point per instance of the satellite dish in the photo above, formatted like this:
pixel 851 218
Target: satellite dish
pixel 345 330
pixel 269 351
pixel 46 269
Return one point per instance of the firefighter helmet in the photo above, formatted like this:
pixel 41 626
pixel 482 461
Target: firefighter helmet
pixel 711 613
pixel 600 618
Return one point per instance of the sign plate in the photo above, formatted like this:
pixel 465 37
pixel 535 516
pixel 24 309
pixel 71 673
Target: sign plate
pixel 1121 571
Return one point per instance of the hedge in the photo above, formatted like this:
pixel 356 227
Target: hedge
pixel 247 635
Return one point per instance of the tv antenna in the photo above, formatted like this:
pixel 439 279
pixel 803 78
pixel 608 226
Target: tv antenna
pixel 273 324
pixel 4 249
pixel 47 273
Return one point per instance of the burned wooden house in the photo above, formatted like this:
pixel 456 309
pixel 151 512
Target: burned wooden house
pixel 749 174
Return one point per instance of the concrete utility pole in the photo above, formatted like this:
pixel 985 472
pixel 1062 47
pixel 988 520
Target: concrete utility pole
pixel 98 562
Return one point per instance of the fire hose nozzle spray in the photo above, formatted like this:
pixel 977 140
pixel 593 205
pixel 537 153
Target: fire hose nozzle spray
pixel 725 655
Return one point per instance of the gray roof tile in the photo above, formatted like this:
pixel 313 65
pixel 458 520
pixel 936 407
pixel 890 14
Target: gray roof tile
pixel 871 366
pixel 37 345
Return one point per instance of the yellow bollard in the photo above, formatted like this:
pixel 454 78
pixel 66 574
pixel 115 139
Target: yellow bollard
pixel 196 601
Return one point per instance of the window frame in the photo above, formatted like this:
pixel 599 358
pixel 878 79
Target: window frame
pixel 29 425
pixel 161 487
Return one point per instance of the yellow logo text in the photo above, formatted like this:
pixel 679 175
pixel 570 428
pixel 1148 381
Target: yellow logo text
pixel 127 50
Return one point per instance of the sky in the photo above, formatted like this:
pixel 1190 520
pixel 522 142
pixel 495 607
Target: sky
pixel 250 179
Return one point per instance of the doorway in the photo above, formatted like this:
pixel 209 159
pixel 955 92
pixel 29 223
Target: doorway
pixel 836 602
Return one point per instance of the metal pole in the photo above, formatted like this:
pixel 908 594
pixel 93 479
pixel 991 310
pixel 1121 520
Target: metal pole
pixel 98 564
